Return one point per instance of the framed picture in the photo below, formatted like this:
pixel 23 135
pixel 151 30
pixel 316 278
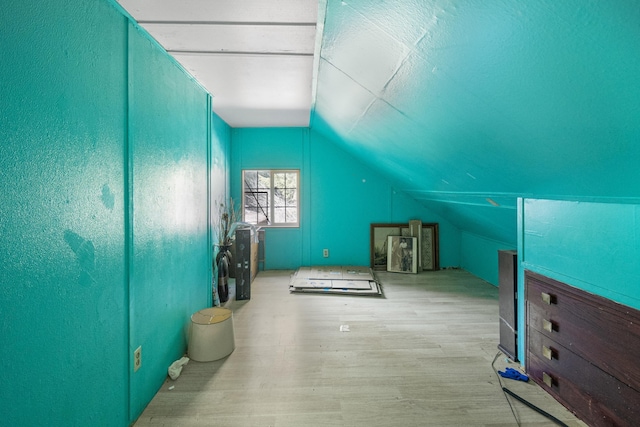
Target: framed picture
pixel 430 247
pixel 402 254
pixel 379 234
pixel 428 241
pixel 429 259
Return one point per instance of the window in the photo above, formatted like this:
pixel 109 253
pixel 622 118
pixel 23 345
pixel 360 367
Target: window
pixel 271 197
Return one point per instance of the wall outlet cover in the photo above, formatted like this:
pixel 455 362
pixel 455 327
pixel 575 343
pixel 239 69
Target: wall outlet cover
pixel 137 359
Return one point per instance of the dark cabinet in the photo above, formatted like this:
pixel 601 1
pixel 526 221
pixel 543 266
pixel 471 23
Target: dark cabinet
pixel 508 303
pixel 249 245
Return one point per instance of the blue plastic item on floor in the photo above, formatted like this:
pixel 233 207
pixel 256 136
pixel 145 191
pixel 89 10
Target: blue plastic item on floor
pixel 514 374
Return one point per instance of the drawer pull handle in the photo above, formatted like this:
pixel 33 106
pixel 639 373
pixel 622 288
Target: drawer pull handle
pixel 547 325
pixel 546 298
pixel 547 352
pixel 546 378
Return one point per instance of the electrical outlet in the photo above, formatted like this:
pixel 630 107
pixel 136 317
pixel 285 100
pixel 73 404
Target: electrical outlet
pixel 137 359
pixel 325 253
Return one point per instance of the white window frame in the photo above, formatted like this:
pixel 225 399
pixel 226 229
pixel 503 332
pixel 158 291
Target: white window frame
pixel 271 205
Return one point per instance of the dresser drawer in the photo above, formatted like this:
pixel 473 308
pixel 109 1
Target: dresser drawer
pixel 605 333
pixel 599 398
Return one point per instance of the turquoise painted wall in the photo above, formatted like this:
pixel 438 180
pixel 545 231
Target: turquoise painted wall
pixel 108 151
pixel 479 255
pixel 340 196
pixel 273 148
pixel 220 160
pixel 170 248
pixel 64 286
pixel 487 230
pixel 589 245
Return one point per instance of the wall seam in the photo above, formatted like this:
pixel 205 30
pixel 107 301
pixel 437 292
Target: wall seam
pixel 520 308
pixel 209 198
pixel 128 217
pixel 306 193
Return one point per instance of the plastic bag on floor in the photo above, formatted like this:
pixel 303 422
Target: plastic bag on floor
pixel 176 367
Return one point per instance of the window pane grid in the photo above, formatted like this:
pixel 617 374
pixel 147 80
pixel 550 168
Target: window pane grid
pixel 270 197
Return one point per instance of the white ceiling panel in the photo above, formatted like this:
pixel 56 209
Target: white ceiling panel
pixel 258 82
pixel 247 11
pixel 252 78
pixel 233 38
pixel 255 57
pixel 248 117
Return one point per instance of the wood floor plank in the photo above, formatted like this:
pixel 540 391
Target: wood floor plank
pixel 420 355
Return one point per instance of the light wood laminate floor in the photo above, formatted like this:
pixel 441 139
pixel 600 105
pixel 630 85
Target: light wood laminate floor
pixel 421 355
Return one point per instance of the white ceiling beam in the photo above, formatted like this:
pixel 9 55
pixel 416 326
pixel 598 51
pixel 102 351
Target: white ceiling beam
pixel 282 39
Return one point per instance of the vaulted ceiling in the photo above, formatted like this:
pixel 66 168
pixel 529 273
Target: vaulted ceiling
pixel 465 105
pixel 471 104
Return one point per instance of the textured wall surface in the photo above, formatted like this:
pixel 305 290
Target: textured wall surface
pixel 461 100
pixel 63 286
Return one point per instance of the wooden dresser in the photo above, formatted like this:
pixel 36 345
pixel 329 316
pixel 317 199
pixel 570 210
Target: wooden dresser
pixel 584 350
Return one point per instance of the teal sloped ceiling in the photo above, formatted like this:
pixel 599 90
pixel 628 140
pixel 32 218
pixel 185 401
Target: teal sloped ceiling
pixel 469 105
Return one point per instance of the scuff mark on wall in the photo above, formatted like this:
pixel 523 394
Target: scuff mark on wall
pixel 85 254
pixel 108 199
